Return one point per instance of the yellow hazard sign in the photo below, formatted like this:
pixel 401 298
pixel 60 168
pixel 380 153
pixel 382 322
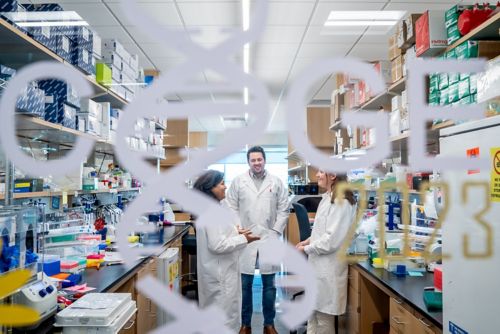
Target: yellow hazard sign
pixel 495 175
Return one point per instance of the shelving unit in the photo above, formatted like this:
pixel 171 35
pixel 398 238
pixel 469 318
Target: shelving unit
pixel 43 194
pixel 18 50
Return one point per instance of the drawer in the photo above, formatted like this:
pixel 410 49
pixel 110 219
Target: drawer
pixel 399 317
pixel 419 325
pixel 352 311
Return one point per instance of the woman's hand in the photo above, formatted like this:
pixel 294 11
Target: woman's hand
pixel 250 237
pixel 300 248
pixel 303 243
pixel 242 230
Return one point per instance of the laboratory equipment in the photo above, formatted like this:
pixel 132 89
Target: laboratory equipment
pixel 473 308
pixel 97 313
pixel 40 295
pixel 168 274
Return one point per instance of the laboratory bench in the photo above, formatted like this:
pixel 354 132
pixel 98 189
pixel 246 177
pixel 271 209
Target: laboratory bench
pixel 380 302
pixel 122 279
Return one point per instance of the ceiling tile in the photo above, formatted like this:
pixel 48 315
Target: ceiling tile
pixel 319 50
pixel 369 52
pixel 324 9
pixel 317 34
pixel 211 13
pixel 419 7
pixel 164 13
pixel 289 13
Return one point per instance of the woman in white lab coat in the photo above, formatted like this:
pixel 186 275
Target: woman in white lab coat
pixel 331 224
pixel 219 279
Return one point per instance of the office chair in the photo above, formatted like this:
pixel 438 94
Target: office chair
pixel 305 232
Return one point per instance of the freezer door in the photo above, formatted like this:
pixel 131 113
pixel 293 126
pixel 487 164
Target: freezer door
pixel 471 292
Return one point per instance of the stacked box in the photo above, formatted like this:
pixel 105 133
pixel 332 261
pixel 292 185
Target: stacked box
pixel 443 81
pixel 401 34
pixel 61 102
pixel 114 117
pixel 89 123
pixel 443 97
pixel 430 33
pixel 410 21
pixel 473 84
pixel 397 68
pixel 464 88
pixel 103 74
pixel 64 47
pixel 394 51
pixel 31 101
pixel 453 95
pixel 383 68
pixel 83 59
pixel 9 6
pixel 6 72
pixel 452 77
pixel 434 98
pixel 453 34
pixel 433 82
pixel 106 120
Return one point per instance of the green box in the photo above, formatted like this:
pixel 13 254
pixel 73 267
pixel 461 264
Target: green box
pixel 433 83
pixel 450 13
pixel 463 88
pixel 443 81
pixel 473 83
pixel 464 76
pixel 434 98
pixel 467 50
pixel 453 93
pixel 103 74
pixel 473 98
pixel 452 77
pixel 453 34
pixel 466 100
pixel 88 187
pixel 443 97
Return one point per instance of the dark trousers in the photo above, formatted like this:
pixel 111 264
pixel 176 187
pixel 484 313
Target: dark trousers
pixel 268 299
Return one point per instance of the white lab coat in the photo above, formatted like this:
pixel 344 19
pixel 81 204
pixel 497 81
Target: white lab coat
pixel 263 211
pixel 331 224
pixel 219 278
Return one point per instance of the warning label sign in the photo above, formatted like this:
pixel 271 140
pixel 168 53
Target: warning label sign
pixel 495 175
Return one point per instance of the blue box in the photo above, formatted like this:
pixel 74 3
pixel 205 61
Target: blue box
pixel 61 113
pixel 44 35
pixel 59 90
pixel 83 59
pixel 43 7
pixel 6 72
pixel 31 101
pixel 50 267
pixel 8 6
pixel 84 37
pixel 64 47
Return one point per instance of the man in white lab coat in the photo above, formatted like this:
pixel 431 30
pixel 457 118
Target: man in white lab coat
pixel 261 201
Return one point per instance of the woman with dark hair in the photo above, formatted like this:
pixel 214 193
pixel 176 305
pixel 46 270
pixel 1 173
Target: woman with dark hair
pixel 219 278
pixel 331 224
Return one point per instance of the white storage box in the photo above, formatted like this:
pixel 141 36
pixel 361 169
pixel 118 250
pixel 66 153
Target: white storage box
pixel 97 313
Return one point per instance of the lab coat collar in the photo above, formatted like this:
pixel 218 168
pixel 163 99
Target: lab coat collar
pixel 267 184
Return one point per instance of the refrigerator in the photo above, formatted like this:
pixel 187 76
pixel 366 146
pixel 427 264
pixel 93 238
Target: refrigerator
pixel 471 291
pixel 168 274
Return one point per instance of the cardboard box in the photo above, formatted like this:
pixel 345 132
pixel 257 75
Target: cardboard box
pixel 91 107
pixel 61 113
pixel 31 101
pixel 433 82
pixel 397 69
pixel 383 68
pixel 430 33
pixel 443 97
pixel 57 90
pixel 481 49
pixel 464 88
pixel 396 103
pixel 404 101
pixel 410 21
pixel 404 120
pixel 410 54
pixel 473 84
pixel 400 34
pixel 117 47
pixel 434 98
pixel 43 35
pixel 64 47
pixel 83 59
pixel 453 95
pixel 394 51
pixel 103 74
pixel 116 74
pixel 92 124
pixel 443 81
pixel 395 123
pixel 452 34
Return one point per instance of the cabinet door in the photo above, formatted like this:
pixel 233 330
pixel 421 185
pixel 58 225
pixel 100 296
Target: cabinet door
pixel 353 277
pixel 130 327
pixel 352 311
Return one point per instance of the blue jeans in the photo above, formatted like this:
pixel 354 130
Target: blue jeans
pixel 268 299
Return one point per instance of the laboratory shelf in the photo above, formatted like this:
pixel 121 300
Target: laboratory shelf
pixel 18 50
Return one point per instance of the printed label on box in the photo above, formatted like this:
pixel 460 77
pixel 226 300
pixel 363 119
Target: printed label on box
pixel 473 153
pixel 454 329
pixel 85 34
pixel 46 31
pixel 65 44
pixel 495 175
pixel 85 56
pixel 49 99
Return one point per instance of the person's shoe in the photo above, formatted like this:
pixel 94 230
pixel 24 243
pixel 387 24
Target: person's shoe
pixel 270 330
pixel 245 330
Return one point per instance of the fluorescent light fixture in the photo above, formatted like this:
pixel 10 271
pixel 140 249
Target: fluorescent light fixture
pixel 246 58
pixel 359 23
pixel 363 18
pixel 127 84
pixel 246 13
pixel 365 15
pixel 52 24
pixel 245 95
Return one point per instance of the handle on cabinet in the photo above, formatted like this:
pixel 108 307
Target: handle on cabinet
pixel 131 325
pixel 397 321
pixel 423 322
pixel 400 302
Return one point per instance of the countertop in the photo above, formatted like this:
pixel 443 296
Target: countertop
pixel 410 289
